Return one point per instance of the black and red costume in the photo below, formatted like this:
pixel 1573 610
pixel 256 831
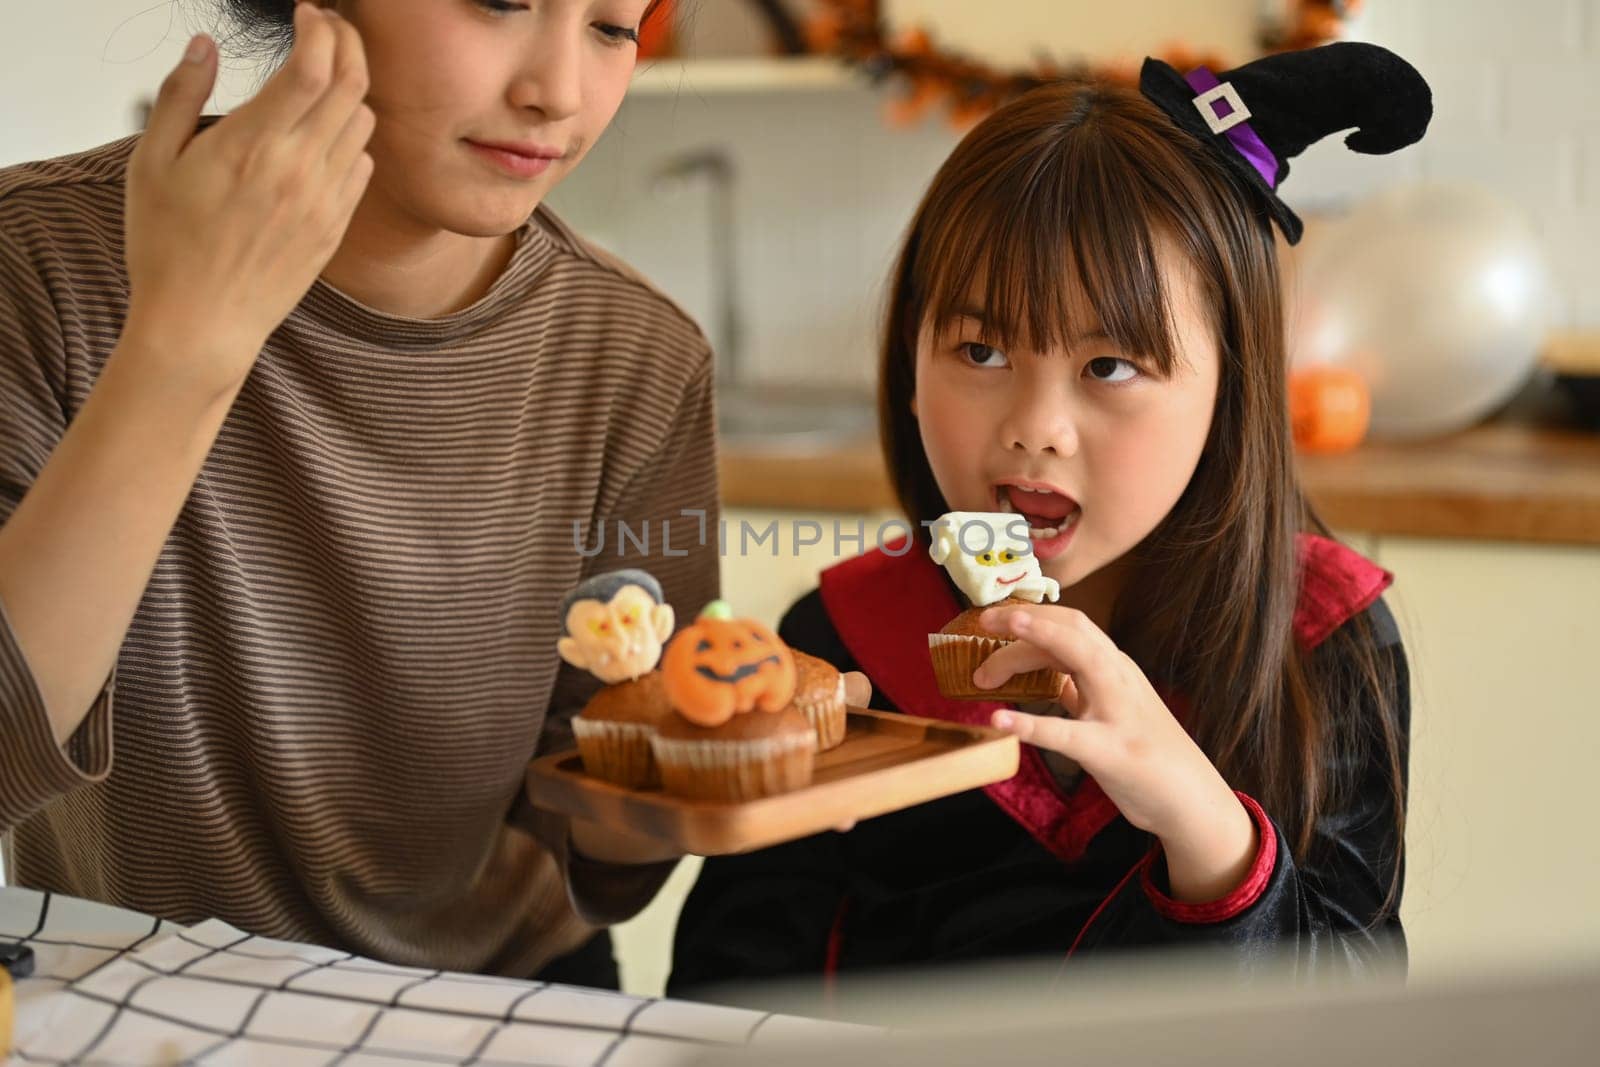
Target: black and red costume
pixel 1028 868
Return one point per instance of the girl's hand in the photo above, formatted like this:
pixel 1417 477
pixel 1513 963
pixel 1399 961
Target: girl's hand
pixel 227 229
pixel 1122 733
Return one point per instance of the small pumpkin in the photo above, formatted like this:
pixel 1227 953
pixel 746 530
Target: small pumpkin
pixel 720 667
pixel 1329 408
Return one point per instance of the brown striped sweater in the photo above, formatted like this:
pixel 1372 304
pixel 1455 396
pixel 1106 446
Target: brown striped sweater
pixel 320 719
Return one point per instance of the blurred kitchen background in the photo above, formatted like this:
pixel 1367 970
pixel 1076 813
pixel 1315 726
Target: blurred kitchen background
pixel 1451 287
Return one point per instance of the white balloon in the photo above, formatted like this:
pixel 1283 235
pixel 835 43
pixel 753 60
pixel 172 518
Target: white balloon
pixel 1437 294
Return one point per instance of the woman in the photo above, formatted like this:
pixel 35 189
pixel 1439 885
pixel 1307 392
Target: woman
pixel 290 502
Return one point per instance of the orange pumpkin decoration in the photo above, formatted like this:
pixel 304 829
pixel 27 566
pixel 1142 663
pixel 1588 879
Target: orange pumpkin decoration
pixel 1329 408
pixel 721 667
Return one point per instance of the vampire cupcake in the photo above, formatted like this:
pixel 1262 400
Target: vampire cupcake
pixel 616 625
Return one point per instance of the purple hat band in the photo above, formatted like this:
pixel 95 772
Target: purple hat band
pixel 1239 133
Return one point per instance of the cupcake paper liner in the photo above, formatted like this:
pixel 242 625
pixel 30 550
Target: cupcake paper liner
pixel 957 656
pixel 827 718
pixel 735 771
pixel 617 752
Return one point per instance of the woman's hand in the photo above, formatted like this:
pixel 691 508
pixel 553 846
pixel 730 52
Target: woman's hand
pixel 605 844
pixel 227 229
pixel 1123 735
pixel 857 689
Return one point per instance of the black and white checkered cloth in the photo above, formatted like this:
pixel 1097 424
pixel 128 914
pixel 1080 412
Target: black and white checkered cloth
pixel 116 987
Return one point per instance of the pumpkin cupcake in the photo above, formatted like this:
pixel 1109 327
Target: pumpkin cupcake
pixel 819 695
pixel 991 561
pixel 734 735
pixel 616 625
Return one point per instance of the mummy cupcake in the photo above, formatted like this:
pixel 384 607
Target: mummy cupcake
pixel 616 625
pixel 991 560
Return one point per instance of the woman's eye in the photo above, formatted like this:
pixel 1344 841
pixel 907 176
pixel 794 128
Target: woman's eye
pixel 618 35
pixel 501 7
pixel 982 355
pixel 1112 369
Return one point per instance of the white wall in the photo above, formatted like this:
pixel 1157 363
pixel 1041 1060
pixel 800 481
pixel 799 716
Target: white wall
pixel 72 74
pixel 1016 32
pixel 1515 93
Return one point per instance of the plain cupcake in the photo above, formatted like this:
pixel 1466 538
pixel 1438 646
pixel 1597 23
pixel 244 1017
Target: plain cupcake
pixel 819 696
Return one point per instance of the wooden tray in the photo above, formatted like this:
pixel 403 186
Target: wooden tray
pixel 886 762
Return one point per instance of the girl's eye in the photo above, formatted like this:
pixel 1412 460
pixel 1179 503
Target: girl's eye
pixel 1112 369
pixel 617 35
pixel 982 355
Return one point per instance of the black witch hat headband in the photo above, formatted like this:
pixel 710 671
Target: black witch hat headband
pixel 1259 116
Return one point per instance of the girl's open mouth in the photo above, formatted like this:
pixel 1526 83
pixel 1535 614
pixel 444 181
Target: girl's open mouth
pixel 1049 514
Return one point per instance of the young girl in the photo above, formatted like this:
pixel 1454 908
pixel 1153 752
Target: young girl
pixel 1086 329
pixel 292 480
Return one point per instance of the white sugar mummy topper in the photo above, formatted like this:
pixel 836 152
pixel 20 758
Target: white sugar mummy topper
pixel 990 557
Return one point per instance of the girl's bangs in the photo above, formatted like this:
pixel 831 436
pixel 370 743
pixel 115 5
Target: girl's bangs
pixel 1047 248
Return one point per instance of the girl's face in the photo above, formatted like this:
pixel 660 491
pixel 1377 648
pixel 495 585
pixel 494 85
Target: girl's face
pixel 483 106
pixel 1087 442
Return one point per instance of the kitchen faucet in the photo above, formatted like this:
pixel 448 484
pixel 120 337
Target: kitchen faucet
pixel 727 327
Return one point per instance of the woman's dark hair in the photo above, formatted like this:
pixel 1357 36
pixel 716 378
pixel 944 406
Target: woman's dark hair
pixel 257 27
pixel 1078 185
pixel 266 27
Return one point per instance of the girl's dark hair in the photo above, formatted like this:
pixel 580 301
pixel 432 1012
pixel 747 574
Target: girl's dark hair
pixel 266 27
pixel 1077 185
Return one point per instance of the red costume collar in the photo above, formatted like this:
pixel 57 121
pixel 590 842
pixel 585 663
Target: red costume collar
pixel 891 645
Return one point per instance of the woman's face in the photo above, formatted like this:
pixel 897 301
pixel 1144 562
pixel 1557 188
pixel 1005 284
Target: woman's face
pixel 1088 442
pixel 483 106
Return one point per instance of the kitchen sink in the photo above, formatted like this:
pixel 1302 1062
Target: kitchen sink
pixel 795 418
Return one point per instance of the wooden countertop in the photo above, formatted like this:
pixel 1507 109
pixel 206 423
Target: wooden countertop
pixel 1502 481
